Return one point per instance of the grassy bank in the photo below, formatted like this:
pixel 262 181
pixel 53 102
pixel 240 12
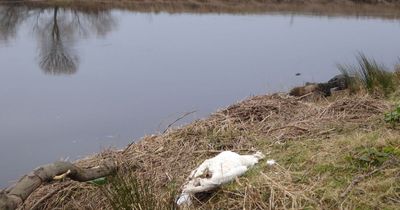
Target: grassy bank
pixel 332 153
pixel 373 8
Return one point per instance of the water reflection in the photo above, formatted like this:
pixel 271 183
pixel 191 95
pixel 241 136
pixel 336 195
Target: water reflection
pixel 57 30
pixel 55 44
pixel 10 18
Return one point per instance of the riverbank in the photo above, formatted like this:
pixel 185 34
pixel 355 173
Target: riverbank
pixel 335 152
pixel 322 146
pixel 383 9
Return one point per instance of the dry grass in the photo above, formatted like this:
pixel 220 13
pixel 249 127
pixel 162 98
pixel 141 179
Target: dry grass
pixel 318 145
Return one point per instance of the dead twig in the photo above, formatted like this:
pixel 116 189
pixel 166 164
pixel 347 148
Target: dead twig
pixel 219 151
pixel 360 178
pixel 179 118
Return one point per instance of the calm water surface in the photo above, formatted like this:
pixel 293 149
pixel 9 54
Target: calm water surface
pixel 73 83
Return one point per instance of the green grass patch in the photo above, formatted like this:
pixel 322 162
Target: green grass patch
pixel 367 157
pixel 393 117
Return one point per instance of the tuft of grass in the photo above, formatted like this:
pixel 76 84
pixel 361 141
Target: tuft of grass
pixel 132 193
pixel 393 117
pixel 369 156
pixel 369 75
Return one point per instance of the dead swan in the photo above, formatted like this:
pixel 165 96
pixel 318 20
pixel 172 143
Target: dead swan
pixel 215 171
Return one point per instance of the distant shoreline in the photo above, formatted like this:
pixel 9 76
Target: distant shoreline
pixel 383 9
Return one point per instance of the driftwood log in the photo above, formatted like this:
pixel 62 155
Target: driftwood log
pixel 14 196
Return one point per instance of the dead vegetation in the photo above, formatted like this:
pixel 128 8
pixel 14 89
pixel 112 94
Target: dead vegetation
pixel 320 146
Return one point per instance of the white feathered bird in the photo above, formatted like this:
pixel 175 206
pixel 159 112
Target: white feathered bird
pixel 215 171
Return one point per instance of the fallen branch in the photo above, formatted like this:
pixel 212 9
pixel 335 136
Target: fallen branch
pixel 16 195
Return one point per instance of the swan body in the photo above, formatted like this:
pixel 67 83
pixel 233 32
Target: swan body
pixel 215 171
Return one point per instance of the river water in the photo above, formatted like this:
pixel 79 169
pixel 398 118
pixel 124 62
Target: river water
pixel 73 83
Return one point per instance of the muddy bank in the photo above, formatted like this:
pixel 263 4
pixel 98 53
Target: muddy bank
pixel 383 9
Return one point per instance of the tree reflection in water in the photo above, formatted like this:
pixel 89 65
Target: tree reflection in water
pixel 56 55
pixel 10 18
pixel 57 31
